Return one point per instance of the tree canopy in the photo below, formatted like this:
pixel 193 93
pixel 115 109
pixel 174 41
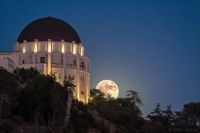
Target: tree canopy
pixel 34 103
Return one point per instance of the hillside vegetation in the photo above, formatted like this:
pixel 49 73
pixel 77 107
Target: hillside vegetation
pixel 35 103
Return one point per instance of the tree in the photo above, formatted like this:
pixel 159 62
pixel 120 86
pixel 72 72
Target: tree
pixel 191 111
pixel 169 116
pixel 42 100
pixel 96 97
pixel 133 97
pixel 69 86
pixel 96 93
pixel 123 111
pixel 156 120
pixel 157 114
pixel 8 92
pixel 23 75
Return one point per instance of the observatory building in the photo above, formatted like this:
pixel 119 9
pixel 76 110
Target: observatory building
pixel 51 46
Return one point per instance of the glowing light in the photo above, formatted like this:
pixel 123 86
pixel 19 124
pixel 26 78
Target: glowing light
pixel 35 47
pixel 74 48
pixel 63 48
pixel 78 92
pixel 82 50
pixel 109 88
pixel 49 63
pixel 49 45
pixel 23 49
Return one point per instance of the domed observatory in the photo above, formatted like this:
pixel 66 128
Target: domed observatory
pixel 53 47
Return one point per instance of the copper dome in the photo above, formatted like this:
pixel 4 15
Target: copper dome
pixel 48 28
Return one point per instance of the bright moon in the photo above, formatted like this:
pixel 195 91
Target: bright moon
pixel 108 87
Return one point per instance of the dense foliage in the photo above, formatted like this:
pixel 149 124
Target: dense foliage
pixel 29 97
pixel 35 103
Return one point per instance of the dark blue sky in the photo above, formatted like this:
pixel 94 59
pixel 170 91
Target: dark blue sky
pixel 152 47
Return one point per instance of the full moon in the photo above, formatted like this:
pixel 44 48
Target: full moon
pixel 108 87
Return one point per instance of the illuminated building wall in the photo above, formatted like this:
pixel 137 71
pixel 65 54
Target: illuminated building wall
pixel 62 58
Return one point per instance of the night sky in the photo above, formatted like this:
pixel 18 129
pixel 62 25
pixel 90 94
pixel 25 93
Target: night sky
pixel 152 47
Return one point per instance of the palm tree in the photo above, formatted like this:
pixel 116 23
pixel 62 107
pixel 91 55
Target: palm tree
pixel 69 86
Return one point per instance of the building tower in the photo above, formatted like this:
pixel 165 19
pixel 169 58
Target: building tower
pixel 53 47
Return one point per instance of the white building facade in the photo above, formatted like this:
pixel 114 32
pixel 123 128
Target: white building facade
pixel 53 47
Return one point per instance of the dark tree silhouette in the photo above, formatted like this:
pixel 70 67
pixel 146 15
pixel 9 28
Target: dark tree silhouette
pixel 133 97
pixel 69 86
pixel 8 92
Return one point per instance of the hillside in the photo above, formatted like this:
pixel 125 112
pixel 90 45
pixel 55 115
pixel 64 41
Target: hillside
pixel 35 103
